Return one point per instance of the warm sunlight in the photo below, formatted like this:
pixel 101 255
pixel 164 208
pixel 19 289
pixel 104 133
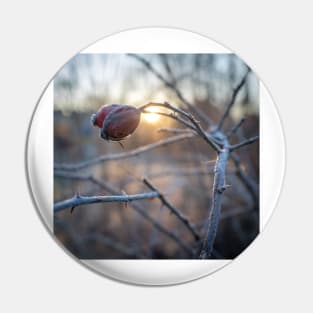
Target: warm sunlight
pixel 151 117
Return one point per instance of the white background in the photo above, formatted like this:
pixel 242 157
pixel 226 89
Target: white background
pixel 275 273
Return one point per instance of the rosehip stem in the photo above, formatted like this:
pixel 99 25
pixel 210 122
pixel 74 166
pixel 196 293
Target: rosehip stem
pixel 193 124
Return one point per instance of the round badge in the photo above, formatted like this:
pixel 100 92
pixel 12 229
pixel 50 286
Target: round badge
pixel 155 156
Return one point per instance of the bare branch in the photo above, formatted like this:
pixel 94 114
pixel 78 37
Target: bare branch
pixel 232 100
pixel 219 187
pixel 182 172
pixel 244 143
pixel 136 206
pixel 172 86
pixel 197 126
pixel 248 183
pixel 173 116
pixel 122 155
pixel 168 68
pixel 175 130
pixel 172 209
pixel 81 200
pixel 234 129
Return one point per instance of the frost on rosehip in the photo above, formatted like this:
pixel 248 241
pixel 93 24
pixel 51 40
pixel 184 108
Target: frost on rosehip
pixel 116 121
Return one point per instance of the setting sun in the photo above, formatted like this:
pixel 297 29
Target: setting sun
pixel 151 117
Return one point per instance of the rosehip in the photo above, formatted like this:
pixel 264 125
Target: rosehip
pixel 117 121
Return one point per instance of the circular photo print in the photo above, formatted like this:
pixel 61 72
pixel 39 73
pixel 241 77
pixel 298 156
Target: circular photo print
pixel 155 156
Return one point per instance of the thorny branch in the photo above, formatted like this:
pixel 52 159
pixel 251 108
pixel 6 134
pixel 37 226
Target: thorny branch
pixel 172 209
pixel 217 139
pixel 135 205
pixel 122 155
pixel 223 148
pixel 78 200
pixel 195 124
pixel 247 182
pixel 219 186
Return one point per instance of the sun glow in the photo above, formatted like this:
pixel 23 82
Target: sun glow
pixel 151 117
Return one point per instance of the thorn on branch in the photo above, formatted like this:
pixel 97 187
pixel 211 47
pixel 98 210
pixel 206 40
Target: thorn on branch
pixel 136 206
pixel 223 188
pixel 84 200
pixel 77 196
pixel 125 194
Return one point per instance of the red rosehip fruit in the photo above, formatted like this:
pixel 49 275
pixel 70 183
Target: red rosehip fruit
pixel 116 121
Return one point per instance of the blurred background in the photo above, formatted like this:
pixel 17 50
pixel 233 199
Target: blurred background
pixel 182 171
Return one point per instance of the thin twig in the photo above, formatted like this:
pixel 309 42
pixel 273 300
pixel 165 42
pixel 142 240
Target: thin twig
pixel 197 126
pixel 244 143
pixel 247 182
pixel 78 200
pixel 173 116
pixel 167 66
pixel 122 155
pixel 175 130
pixel 234 129
pixel 172 209
pixel 182 172
pixel 232 100
pixel 172 86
